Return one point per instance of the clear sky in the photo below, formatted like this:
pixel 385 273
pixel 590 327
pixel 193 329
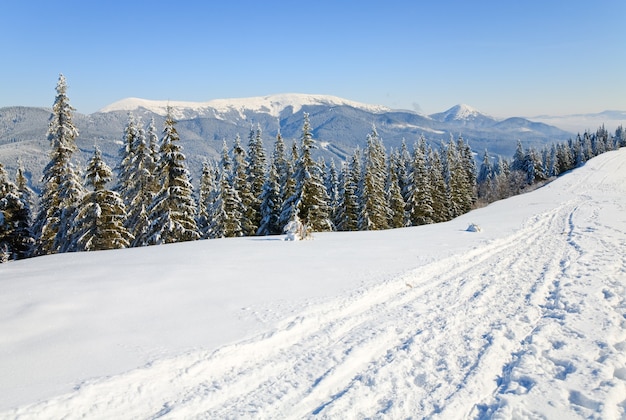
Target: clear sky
pixel 505 58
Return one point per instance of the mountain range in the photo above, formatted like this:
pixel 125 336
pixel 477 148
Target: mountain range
pixel 339 126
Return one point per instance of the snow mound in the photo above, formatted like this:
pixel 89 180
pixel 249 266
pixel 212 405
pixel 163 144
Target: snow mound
pixel 473 227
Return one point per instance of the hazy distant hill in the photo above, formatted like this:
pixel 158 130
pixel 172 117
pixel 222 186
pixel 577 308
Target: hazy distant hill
pixel 339 126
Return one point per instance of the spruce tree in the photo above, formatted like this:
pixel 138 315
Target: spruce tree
pixel 228 209
pixel 349 209
pixel 242 186
pixel 468 163
pixel 374 207
pixel 127 153
pixel 153 142
pixel 403 169
pixel 310 199
pixel 207 187
pixel 332 189
pixel 256 174
pixel 62 189
pixel 518 158
pixel 25 217
pixel 438 174
pixel 397 216
pixel 458 185
pixel 15 236
pixel 271 204
pixel 101 215
pixel 288 210
pixel 141 188
pixel 173 210
pixel 420 202
pixel 485 176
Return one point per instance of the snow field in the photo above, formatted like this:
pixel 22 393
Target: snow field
pixel 529 322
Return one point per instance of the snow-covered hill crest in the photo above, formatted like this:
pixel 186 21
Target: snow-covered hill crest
pixel 273 105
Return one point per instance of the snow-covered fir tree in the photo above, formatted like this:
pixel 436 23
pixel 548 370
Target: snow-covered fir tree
pixel 420 202
pixel 153 141
pixel 349 202
pixel 468 163
pixel 486 169
pixel 127 154
pixel 173 211
pixel 62 189
pixel 332 189
pixel 141 188
pixel 241 184
pixel 25 218
pixel 485 177
pixel 457 182
pixel 310 200
pixel 403 169
pixel 206 190
pixel 397 206
pixel 440 193
pixel 256 173
pixel 288 210
pixel 15 236
pixel 374 206
pixel 271 203
pixel 101 215
pixel 227 211
pixel 518 158
pixel 278 183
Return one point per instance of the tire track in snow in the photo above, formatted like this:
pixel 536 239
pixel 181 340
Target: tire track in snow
pixel 563 362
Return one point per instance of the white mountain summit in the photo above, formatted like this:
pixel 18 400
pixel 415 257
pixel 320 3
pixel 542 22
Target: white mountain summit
pixel 460 112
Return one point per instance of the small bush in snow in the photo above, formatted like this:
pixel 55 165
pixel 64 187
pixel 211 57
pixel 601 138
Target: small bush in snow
pixel 297 231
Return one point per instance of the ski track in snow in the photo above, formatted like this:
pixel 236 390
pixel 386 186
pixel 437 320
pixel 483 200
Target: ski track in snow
pixel 500 331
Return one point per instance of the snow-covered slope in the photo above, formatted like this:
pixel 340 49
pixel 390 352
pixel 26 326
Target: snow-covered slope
pixel 272 104
pixel 524 319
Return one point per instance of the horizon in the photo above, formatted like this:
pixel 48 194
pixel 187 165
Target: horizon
pixel 504 60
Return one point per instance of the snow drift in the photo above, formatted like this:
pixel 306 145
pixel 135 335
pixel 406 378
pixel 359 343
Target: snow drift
pixel 525 319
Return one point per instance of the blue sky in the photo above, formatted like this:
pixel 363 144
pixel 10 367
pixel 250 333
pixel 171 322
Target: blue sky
pixel 505 57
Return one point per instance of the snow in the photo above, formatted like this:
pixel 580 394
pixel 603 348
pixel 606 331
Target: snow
pixel 525 320
pixel 271 104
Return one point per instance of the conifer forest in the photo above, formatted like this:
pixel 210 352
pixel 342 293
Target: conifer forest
pixel 148 198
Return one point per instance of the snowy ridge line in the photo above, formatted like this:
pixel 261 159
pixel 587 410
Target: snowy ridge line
pixel 381 325
pixel 271 104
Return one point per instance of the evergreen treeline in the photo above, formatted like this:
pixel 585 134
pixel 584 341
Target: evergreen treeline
pixel 530 167
pixel 248 193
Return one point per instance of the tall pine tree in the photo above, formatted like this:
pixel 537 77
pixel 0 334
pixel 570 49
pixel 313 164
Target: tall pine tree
pixel 62 189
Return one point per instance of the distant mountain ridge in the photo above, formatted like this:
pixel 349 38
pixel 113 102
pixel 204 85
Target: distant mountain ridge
pixel 274 105
pixel 339 126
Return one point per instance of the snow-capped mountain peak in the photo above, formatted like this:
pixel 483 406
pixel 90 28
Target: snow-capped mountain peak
pixel 460 112
pixel 271 104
